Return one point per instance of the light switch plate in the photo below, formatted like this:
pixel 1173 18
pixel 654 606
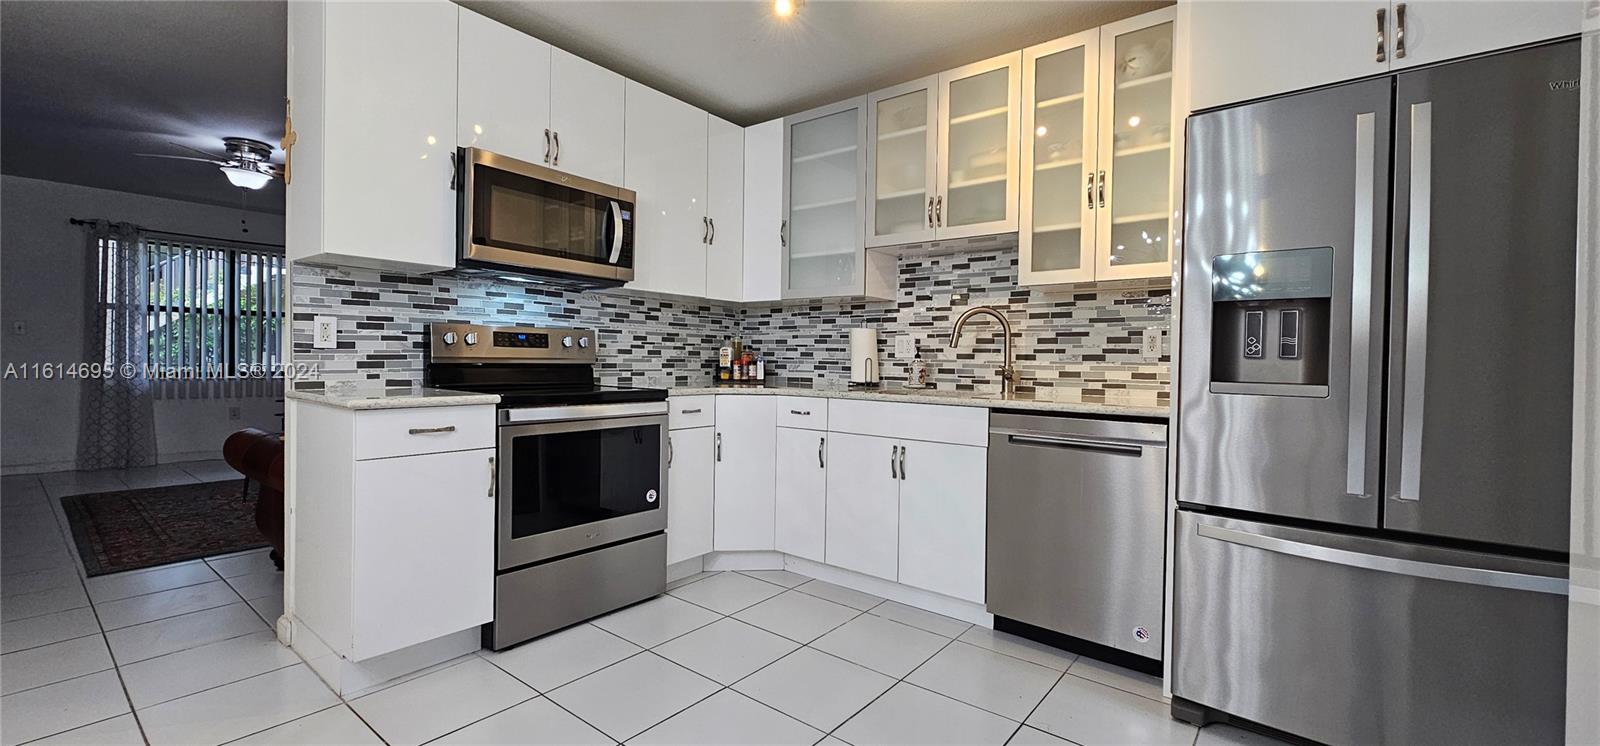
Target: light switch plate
pixel 905 346
pixel 1152 344
pixel 325 334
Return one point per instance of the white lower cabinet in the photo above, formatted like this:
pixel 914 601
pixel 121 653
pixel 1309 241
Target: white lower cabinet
pixel 863 504
pixel 801 493
pixel 690 492
pixel 942 511
pixel 743 450
pixel 423 549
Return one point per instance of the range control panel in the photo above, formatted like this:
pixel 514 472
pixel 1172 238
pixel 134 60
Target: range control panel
pixel 510 344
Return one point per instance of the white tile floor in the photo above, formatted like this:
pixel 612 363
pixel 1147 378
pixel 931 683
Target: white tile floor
pixel 184 654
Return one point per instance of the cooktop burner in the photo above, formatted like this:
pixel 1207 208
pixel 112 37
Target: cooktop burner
pixel 526 366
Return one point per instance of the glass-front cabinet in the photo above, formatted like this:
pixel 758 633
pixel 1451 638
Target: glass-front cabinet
pixel 942 159
pixel 1098 139
pixel 825 205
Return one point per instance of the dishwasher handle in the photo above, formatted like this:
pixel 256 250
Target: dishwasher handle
pixel 1085 444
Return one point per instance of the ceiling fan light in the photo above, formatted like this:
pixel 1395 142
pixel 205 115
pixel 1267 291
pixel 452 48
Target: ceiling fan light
pixel 245 178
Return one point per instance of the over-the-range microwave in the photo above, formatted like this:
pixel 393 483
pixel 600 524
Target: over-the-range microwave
pixel 524 219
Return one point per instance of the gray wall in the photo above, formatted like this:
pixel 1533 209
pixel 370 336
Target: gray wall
pixel 43 266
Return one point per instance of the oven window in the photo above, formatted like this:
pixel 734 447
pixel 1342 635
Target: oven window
pixel 515 212
pixel 568 479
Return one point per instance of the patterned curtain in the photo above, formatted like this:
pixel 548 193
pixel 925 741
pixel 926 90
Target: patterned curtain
pixel 116 427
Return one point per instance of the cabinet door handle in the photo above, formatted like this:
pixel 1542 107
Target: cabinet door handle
pixel 713 222
pixel 783 234
pixel 705 229
pixel 719 447
pixel 547 141
pixel 802 413
pixel 938 211
pixel 494 475
pixel 1102 190
pixel 669 451
pixel 1088 190
pixel 930 212
pixel 822 441
pixel 894 454
pixel 556 161
pixel 1383 27
pixel 696 410
pixel 431 430
pixel 903 450
pixel 1400 31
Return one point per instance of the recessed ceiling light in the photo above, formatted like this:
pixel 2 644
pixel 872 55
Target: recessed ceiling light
pixel 786 8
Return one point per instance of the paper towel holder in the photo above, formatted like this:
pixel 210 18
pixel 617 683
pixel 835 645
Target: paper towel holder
pixel 864 368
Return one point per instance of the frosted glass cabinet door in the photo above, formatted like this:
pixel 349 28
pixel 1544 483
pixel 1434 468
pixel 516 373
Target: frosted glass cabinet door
pixel 978 107
pixel 822 235
pixel 1060 148
pixel 1136 146
pixel 901 152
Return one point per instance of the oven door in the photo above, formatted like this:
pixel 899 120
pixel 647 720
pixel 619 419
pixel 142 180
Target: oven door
pixel 521 215
pixel 565 487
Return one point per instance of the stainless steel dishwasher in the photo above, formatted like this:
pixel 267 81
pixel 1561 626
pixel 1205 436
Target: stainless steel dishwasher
pixel 1076 534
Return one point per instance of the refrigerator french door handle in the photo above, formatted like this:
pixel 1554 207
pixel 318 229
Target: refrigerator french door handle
pixel 1361 309
pixel 1416 340
pixel 1393 565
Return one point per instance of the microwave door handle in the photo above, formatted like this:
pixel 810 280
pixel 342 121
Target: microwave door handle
pixel 615 210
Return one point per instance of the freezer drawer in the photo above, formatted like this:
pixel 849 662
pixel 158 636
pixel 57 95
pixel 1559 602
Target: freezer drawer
pixel 1076 523
pixel 1346 639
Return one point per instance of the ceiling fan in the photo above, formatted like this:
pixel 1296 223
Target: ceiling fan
pixel 247 163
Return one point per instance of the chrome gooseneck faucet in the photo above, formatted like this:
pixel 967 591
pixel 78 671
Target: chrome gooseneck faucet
pixel 1008 372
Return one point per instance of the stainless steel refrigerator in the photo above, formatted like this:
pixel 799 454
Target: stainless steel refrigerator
pixel 1374 406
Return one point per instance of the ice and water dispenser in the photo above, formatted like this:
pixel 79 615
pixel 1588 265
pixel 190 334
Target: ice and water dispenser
pixel 1269 322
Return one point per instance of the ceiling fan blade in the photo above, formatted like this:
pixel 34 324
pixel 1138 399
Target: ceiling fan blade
pixel 212 156
pixel 182 158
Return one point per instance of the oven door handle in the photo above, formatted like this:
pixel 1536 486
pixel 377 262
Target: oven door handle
pixel 615 211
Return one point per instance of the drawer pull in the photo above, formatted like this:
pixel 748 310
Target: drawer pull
pixel 696 410
pixel 806 413
pixel 431 430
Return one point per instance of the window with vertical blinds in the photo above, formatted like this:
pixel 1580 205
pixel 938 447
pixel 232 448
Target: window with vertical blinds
pixel 216 313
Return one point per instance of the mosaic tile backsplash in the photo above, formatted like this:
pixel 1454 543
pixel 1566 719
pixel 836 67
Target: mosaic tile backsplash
pixel 1084 338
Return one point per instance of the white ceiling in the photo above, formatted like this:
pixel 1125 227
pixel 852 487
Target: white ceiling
pixel 84 85
pixel 737 60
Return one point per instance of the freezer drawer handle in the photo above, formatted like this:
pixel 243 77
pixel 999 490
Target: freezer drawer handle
pixel 1086 444
pixel 1395 565
pixel 1418 233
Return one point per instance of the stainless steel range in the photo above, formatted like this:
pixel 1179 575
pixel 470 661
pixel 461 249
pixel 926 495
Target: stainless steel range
pixel 582 483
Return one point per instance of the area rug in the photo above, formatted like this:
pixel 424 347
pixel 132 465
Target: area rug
pixel 131 529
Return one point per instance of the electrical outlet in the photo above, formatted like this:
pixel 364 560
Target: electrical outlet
pixel 905 346
pixel 1152 344
pixel 233 413
pixel 326 332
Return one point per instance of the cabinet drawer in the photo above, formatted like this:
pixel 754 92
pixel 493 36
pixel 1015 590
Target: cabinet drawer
pixel 404 432
pixel 803 412
pixel 931 422
pixel 690 411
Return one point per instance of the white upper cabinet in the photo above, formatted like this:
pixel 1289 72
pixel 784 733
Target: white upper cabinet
pixel 666 166
pixel 586 120
pixel 1426 31
pixel 903 152
pixel 724 210
pixel 1060 129
pixel 502 89
pixel 1137 129
pixel 978 106
pixel 763 211
pixel 1242 50
pixel 1100 140
pixel 825 206
pixel 374 121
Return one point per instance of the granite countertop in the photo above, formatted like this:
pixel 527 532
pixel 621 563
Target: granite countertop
pixel 1065 400
pixel 371 397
